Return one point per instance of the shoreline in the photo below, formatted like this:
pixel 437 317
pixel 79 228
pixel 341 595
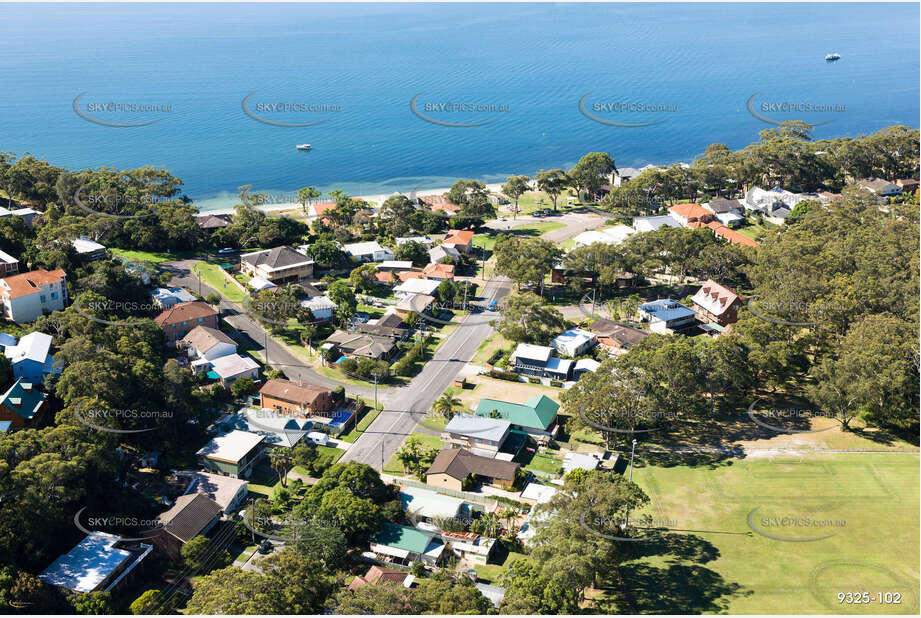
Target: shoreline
pixel 375 199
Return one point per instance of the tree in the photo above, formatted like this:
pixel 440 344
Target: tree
pixel 341 293
pixel 92 603
pixel 592 171
pixel 526 261
pixel 553 183
pixel 447 405
pixel 526 319
pixel 281 463
pixel 146 603
pixel 241 387
pixel 307 195
pixel 379 599
pixel 412 251
pixel 319 541
pixel 473 199
pixel 213 299
pixel 201 552
pixel 515 187
pixel 326 253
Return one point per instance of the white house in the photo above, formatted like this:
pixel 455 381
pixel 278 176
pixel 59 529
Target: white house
pixel 232 367
pixel 321 307
pixel 651 224
pixel 88 249
pixel 730 219
pixel 883 188
pixel 30 358
pixel 414 287
pixel 574 342
pixel 164 298
pixel 26 296
pixel 608 236
pixel 769 201
pixel 370 251
pixel 26 214
pixel 422 240
pixel 442 252
pixel 208 343
pixel 665 315
pixel 98 563
pixel 8 264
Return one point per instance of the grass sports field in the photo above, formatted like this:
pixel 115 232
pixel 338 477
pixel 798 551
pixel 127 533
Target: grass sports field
pixel 781 534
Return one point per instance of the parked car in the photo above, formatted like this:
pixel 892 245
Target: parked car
pixel 226 250
pixel 266 547
pixel 493 306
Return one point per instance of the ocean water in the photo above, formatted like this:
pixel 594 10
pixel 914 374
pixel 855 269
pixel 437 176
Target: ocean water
pixel 351 71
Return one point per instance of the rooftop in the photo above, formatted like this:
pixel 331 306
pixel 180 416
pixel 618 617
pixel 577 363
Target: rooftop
pixel 403 537
pixel 34 346
pixel 363 248
pixel 667 309
pixel 276 258
pixel 189 515
pixel 484 428
pixel 233 365
pixel 203 338
pixel 714 297
pixel 88 564
pixel 425 503
pixel 533 352
pixel 31 282
pixel 184 312
pixel 222 489
pixel 537 412
pixel 23 399
pixel 231 447
pixel 418 286
pixel 276 429
pixel 460 463
pixel 304 394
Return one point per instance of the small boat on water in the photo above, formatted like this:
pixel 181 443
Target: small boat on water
pixel 832 57
pixel 303 146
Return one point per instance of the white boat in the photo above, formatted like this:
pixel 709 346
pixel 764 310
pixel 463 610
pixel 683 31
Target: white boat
pixel 303 146
pixel 832 57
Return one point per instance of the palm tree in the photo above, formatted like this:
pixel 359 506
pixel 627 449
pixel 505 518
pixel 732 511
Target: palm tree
pixel 410 453
pixel 280 463
pixel 307 195
pixel 447 405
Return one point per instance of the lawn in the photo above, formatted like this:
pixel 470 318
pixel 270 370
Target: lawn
pixel 213 276
pixel 428 442
pixel 489 573
pixel 154 257
pixel 263 480
pixel 528 202
pixel 489 345
pixel 366 420
pixel 487 240
pixel 545 462
pixel 721 561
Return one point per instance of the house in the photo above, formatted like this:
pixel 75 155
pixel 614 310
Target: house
pixel 190 516
pixel 536 416
pixel 453 466
pixel 626 174
pixel 321 307
pixel 228 493
pixel 23 405
pixel 26 296
pixel 277 430
pixel 731 235
pixel 462 240
pixel 30 358
pixel 395 265
pixel 422 240
pixel 730 219
pixel 538 361
pixel 415 287
pixel 289 398
pixel 651 224
pixel 665 315
pixel 28 215
pixel 164 298
pixel 716 303
pixel 688 212
pixel 425 506
pixel 882 188
pixel 535 493
pixel 388 325
pixel 439 202
pixel 369 251
pixel 615 338
pixel 232 367
pixel 583 366
pixel 439 272
pixel 469 546
pixel 477 433
pixel 179 320
pixel 402 545
pixel 208 343
pixel 907 185
pixel 101 562
pixel 278 265
pixel 232 454
pixel 580 461
pixel 88 249
pixel 8 264
pixel 319 210
pixel 209 223
pixel 368 346
pixel 768 202
pixel 721 205
pixel 417 303
pixel 438 255
pixel 574 342
pixel 258 284
pixel 608 236
pixel 377 575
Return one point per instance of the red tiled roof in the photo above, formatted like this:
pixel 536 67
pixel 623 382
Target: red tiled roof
pixel 385 276
pixel 439 202
pixel 458 237
pixel 406 275
pixel 441 271
pixel 30 282
pixel 322 208
pixel 714 297
pixel 183 312
pixel 690 210
pixel 734 237
pixel 303 394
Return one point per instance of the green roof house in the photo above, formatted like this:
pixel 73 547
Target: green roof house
pixel 402 545
pixel 536 415
pixel 22 405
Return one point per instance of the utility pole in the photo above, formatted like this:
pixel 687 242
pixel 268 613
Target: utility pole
pixel 382 455
pixel 632 451
pixel 376 377
pixel 265 338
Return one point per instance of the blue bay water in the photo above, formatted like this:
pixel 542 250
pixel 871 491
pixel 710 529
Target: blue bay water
pixel 699 63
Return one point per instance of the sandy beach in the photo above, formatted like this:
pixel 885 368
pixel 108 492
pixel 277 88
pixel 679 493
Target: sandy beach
pixel 376 200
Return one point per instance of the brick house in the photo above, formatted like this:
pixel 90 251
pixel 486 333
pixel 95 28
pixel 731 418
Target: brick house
pixel 179 320
pixel 303 400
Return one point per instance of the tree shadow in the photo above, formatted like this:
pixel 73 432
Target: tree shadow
pixel 710 460
pixel 674 589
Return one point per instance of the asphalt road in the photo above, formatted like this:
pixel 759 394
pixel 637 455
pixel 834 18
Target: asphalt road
pixel 400 416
